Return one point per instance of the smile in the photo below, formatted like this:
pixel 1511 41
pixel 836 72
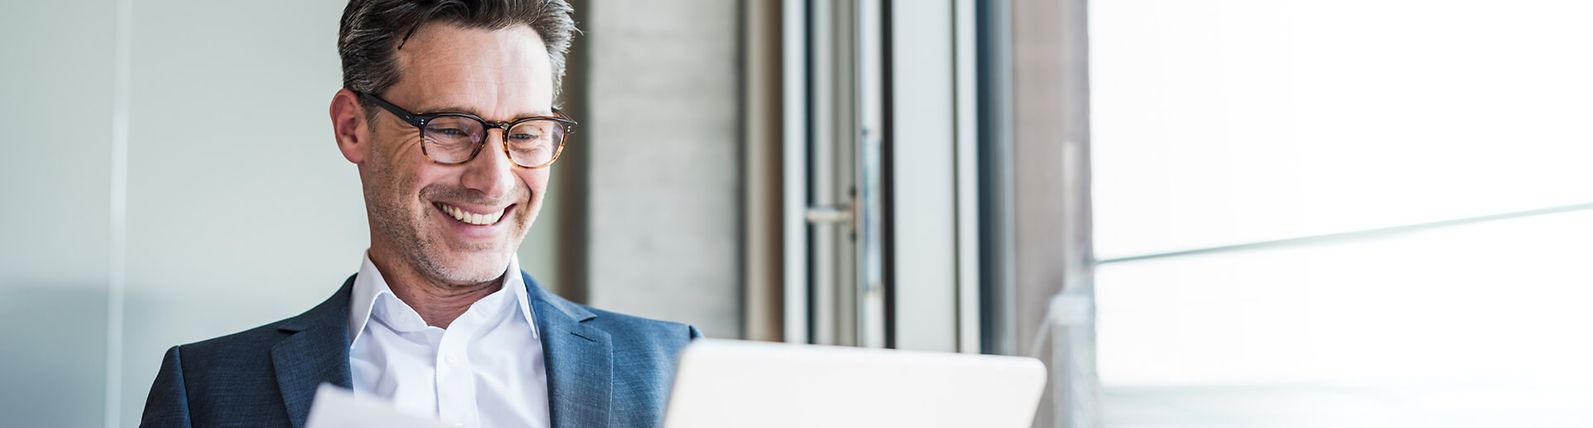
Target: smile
pixel 467 217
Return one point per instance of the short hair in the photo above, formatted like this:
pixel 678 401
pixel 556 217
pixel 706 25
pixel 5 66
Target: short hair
pixel 372 32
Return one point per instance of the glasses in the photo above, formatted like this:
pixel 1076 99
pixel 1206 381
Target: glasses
pixel 455 138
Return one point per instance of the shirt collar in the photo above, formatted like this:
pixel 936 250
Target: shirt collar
pixel 369 287
pixel 515 282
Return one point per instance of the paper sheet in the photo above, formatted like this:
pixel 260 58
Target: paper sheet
pixel 336 407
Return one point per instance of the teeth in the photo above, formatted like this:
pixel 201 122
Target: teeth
pixel 472 218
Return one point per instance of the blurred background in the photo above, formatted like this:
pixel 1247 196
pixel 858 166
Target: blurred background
pixel 1199 213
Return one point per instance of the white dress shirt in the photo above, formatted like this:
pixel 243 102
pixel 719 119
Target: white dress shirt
pixel 484 370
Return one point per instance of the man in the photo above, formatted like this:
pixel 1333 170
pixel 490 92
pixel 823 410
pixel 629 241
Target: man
pixel 447 112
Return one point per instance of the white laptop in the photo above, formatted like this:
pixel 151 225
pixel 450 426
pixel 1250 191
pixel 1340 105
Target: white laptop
pixel 724 383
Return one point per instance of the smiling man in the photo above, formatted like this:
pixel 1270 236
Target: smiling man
pixel 447 112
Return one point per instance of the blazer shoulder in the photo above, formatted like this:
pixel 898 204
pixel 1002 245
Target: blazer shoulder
pixel 635 328
pixel 254 341
pixel 267 332
pixel 622 327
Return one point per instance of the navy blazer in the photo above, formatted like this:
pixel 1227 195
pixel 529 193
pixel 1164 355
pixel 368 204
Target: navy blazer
pixel 603 368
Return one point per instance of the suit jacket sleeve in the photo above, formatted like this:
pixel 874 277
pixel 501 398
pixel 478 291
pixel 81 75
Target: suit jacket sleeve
pixel 167 405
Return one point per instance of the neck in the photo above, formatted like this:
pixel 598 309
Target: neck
pixel 439 303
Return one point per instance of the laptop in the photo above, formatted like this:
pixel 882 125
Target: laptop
pixel 724 383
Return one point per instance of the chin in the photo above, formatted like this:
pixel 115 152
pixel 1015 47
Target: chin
pixel 471 268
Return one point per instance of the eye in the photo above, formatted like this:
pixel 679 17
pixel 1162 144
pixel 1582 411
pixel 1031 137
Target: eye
pixel 449 132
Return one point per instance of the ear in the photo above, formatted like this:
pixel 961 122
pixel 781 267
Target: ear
pixel 349 126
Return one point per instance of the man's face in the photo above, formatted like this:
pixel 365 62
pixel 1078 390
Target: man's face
pixel 499 75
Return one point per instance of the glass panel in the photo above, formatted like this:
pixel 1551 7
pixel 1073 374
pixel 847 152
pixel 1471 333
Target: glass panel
pixel 1220 122
pixel 1477 325
pixel 55 107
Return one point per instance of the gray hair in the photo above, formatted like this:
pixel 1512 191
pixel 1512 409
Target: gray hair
pixel 372 32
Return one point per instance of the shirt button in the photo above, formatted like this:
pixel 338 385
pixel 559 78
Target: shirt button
pixel 450 359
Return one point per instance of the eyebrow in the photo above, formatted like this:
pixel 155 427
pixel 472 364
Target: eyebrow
pixel 458 109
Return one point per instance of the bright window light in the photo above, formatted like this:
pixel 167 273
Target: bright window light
pixel 1221 122
pixel 1231 122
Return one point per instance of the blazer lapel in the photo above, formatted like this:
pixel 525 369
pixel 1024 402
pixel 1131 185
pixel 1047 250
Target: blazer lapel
pixel 315 351
pixel 579 361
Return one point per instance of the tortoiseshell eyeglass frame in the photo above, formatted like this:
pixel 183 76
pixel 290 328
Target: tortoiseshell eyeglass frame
pixel 419 121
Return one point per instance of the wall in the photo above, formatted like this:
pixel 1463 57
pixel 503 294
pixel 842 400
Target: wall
pixel 240 210
pixel 663 136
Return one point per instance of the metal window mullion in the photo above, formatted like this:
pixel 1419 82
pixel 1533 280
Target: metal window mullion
pixel 921 167
pixel 967 176
pixel 820 174
pixel 843 105
pixel 868 95
pixel 794 165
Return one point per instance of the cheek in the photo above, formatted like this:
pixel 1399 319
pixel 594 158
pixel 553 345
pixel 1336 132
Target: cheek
pixel 535 182
pixel 427 175
pixel 401 169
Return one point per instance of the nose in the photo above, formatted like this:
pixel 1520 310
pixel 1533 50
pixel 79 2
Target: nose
pixel 491 172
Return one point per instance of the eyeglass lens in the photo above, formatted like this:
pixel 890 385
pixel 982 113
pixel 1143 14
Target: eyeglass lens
pixel 457 139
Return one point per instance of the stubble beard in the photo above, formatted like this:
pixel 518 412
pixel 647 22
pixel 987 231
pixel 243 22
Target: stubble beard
pixel 401 225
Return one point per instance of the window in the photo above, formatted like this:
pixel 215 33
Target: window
pixel 1337 213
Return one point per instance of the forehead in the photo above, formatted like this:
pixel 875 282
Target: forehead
pixel 497 74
